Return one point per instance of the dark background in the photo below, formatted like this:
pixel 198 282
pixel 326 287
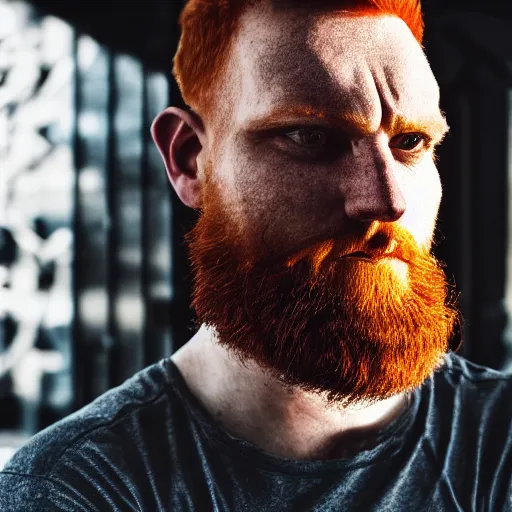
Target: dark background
pixel 125 228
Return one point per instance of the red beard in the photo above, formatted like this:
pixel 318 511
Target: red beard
pixel 347 327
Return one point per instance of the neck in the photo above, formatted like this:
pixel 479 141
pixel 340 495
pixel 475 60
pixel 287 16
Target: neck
pixel 288 422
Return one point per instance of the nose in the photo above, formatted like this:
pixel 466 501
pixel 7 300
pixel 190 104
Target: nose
pixel 372 191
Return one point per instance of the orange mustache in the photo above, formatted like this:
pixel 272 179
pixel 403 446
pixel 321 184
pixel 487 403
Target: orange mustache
pixel 381 240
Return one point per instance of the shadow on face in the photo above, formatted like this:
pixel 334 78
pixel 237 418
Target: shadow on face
pixel 334 120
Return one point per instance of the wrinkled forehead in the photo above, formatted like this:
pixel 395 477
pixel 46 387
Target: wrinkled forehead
pixel 371 65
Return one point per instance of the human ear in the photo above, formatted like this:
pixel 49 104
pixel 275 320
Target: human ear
pixel 179 136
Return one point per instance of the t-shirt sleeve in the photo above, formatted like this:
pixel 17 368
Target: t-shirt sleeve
pixel 32 493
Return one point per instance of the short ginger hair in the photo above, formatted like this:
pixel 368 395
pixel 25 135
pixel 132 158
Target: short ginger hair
pixel 209 26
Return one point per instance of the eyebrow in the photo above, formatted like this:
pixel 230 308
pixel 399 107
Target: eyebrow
pixel 353 123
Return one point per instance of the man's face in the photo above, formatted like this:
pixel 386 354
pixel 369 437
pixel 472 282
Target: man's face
pixel 288 188
pixel 328 151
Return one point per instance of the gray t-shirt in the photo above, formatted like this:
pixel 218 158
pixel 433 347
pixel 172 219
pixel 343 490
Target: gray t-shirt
pixel 149 446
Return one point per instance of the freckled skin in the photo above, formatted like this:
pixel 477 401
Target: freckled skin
pixel 372 66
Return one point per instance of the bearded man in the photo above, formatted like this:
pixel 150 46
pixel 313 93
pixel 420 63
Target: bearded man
pixel 321 377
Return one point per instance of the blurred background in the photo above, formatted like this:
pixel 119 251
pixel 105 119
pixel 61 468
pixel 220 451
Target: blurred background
pixel 94 279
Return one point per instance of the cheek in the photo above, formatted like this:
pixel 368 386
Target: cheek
pixel 422 191
pixel 274 200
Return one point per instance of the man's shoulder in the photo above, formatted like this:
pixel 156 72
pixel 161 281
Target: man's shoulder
pixel 463 390
pixel 105 420
pixel 461 371
pixel 113 454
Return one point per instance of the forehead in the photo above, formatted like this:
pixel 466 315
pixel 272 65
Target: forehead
pixel 371 66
